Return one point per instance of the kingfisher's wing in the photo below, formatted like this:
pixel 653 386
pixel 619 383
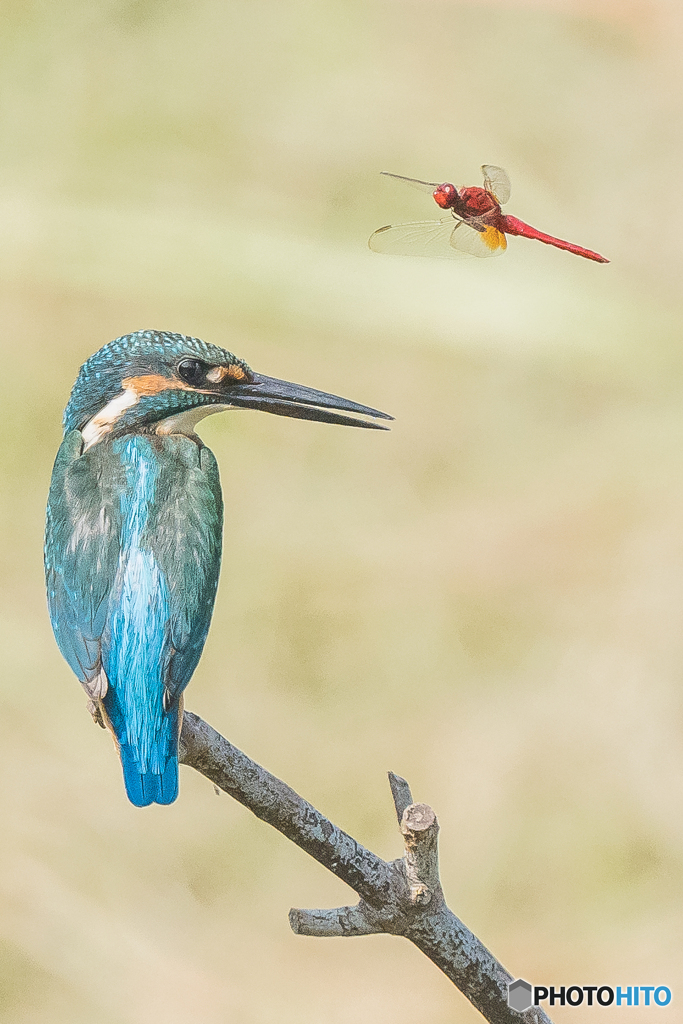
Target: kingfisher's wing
pixel 184 531
pixel 85 518
pixel 132 558
pixel 81 554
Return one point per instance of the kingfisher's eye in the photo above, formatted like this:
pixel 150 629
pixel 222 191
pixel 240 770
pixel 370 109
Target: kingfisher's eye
pixel 192 371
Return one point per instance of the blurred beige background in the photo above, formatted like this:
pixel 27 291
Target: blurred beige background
pixel 487 600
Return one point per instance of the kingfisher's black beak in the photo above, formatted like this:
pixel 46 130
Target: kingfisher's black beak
pixel 284 399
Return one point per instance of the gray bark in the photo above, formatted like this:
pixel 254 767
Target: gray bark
pixel 400 897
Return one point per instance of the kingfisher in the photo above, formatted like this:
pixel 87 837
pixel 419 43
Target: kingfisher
pixel 134 531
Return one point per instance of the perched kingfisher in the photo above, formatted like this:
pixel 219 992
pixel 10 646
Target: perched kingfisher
pixel 133 536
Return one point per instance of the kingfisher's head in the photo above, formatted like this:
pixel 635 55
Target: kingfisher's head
pixel 165 383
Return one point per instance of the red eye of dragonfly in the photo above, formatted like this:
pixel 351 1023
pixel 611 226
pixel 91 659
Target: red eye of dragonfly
pixel 445 195
pixel 474 226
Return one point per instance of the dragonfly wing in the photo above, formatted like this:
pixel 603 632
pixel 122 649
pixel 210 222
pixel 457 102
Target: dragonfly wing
pixel 497 182
pixel 466 239
pixel 448 238
pixel 420 238
pixel 424 186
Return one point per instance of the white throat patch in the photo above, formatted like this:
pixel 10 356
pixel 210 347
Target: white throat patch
pixel 185 422
pixel 180 423
pixel 96 428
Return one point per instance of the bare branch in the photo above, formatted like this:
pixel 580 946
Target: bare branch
pixel 400 791
pixel 401 897
pixel 277 804
pixel 342 921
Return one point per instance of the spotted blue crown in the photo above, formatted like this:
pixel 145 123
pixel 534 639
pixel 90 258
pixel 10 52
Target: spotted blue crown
pixel 144 352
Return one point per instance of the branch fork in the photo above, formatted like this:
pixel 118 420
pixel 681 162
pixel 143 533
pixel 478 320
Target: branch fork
pixel 414 880
pixel 400 897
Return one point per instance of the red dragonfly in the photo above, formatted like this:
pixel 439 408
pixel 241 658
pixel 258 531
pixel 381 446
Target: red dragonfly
pixel 475 225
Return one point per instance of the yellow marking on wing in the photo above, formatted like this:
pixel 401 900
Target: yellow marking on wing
pixel 494 239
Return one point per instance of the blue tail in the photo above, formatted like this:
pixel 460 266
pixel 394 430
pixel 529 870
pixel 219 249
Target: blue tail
pixel 149 753
pixel 149 787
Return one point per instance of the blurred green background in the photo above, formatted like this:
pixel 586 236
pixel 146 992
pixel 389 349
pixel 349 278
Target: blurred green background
pixel 488 600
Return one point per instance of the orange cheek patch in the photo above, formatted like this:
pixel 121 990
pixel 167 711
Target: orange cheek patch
pixel 152 384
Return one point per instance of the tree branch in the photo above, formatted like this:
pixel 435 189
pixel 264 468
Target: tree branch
pixel 401 897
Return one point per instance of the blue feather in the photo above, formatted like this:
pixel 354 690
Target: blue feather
pixel 132 558
pixel 135 642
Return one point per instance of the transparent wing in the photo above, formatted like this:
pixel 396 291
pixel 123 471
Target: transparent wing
pixel 497 182
pixel 424 186
pixel 447 238
pixel 489 242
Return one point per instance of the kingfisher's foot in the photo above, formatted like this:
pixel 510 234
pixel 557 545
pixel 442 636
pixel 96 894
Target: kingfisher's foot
pixel 96 713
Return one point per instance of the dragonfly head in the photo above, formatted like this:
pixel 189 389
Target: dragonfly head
pixel 446 196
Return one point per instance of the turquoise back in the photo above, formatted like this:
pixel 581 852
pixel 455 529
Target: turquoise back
pixel 132 555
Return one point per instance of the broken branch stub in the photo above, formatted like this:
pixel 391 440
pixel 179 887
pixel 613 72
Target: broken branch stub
pixel 420 836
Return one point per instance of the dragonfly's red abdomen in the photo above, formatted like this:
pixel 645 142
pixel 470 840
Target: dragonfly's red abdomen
pixel 514 226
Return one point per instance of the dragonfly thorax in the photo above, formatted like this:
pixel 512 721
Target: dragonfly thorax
pixel 477 201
